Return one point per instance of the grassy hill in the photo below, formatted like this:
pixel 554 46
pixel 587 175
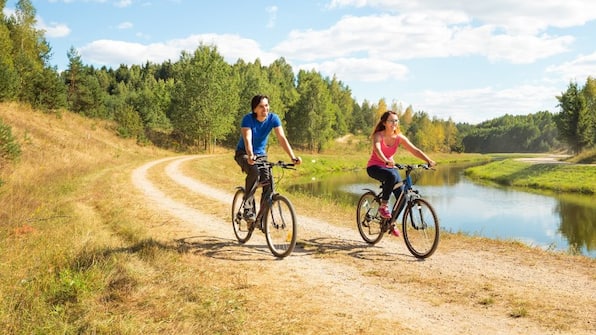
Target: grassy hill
pixel 63 215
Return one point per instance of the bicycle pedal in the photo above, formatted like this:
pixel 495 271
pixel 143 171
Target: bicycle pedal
pixel 258 225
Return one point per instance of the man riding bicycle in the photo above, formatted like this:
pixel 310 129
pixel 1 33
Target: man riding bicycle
pixel 255 128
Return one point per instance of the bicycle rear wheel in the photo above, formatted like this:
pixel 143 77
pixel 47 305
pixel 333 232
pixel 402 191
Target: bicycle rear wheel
pixel 242 229
pixel 420 228
pixel 368 220
pixel 280 226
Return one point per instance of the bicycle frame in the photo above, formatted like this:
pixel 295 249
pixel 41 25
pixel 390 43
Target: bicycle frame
pixel 407 195
pixel 276 216
pixel 266 198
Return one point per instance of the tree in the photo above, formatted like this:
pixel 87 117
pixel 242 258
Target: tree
pixel 84 92
pixel 341 97
pixel 50 91
pixel 572 105
pixel 363 118
pixel 282 80
pixel 421 131
pixel 30 50
pixel 587 120
pixel 451 136
pixel 129 122
pixel 9 147
pixel 205 98
pixel 381 109
pixel 151 103
pixel 8 73
pixel 252 79
pixel 311 119
pixel 358 119
pixel 405 119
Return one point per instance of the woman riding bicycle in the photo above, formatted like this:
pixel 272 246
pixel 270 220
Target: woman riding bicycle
pixel 386 138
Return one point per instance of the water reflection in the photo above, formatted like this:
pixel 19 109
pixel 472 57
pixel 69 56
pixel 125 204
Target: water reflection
pixel 560 222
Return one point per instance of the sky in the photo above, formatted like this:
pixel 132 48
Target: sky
pixel 465 60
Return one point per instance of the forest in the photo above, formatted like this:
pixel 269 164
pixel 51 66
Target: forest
pixel 195 103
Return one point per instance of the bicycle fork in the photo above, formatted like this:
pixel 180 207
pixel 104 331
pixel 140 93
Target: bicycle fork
pixel 416 212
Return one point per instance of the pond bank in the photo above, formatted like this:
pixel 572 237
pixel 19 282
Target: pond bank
pixel 539 173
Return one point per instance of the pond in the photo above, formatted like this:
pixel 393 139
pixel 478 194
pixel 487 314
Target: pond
pixel 550 221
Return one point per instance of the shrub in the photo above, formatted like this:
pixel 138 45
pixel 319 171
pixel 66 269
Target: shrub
pixel 9 148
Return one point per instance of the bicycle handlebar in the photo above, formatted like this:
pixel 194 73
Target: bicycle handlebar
pixel 412 166
pixel 282 164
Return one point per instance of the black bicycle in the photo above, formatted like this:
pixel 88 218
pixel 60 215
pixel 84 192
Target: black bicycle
pixel 276 217
pixel 420 224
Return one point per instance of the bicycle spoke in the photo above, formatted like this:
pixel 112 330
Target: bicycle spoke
pixel 242 229
pixel 421 228
pixel 370 226
pixel 280 228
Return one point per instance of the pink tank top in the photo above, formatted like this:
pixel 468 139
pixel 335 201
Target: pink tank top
pixel 388 151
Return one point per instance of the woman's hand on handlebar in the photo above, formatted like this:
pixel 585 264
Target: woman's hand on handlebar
pixel 297 160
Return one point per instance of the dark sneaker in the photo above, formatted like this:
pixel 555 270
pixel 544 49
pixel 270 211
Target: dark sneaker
pixel 249 215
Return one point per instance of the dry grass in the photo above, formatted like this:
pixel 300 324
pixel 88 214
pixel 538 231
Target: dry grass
pixel 79 255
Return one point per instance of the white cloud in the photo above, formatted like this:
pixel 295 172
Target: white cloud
pixel 576 70
pixel 477 105
pixel 415 36
pixel 359 69
pixel 53 30
pixel 272 11
pixel 113 53
pixel 125 25
pixel 123 3
pixel 514 16
pixel 8 12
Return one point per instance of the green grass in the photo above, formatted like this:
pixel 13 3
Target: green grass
pixel 545 176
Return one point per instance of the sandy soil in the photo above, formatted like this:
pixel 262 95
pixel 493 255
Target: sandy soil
pixel 466 287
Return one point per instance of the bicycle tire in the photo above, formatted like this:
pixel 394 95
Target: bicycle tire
pixel 420 228
pixel 369 222
pixel 280 226
pixel 242 229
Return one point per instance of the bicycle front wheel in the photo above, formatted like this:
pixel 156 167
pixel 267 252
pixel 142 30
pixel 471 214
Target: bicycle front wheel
pixel 420 228
pixel 280 226
pixel 368 220
pixel 242 229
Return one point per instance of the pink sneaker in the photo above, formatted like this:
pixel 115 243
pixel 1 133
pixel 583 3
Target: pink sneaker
pixel 395 231
pixel 384 211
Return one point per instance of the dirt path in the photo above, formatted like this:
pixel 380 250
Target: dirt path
pixel 465 288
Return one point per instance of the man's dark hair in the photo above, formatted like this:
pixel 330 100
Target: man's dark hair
pixel 256 100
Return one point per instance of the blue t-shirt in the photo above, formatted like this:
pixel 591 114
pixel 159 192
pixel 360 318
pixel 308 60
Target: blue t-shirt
pixel 260 131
